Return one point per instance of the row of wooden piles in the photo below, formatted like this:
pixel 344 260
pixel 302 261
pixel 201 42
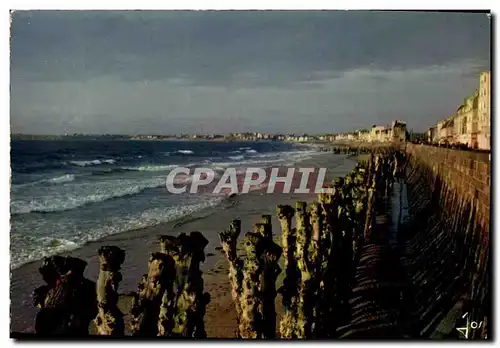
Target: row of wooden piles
pixel 320 255
pixel 446 258
pixel 351 150
pixel 376 308
pixel 170 300
pixel 340 275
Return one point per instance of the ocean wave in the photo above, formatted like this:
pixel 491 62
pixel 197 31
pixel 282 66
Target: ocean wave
pixel 268 159
pixel 236 158
pixel 46 246
pixel 185 152
pixel 38 247
pixel 110 171
pixel 251 151
pixel 152 168
pixel 271 154
pixel 73 196
pixel 299 156
pixel 296 156
pixel 92 162
pixel 55 180
pixel 224 165
pixel 61 179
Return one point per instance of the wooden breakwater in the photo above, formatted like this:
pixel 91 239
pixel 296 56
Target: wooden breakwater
pixel 170 301
pixel 320 254
pixel 353 266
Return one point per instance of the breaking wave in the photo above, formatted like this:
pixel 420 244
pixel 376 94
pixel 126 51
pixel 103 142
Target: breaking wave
pixel 55 180
pixel 92 162
pixel 38 247
pixel 152 168
pixel 74 196
pixel 61 179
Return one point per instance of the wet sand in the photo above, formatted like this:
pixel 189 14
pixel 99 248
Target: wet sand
pixel 220 318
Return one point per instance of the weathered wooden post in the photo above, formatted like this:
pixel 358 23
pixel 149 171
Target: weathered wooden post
pixel 290 283
pixel 184 303
pixel 317 227
pixel 304 306
pixel 327 299
pixel 271 252
pixel 369 170
pixel 370 206
pixel 109 319
pixel 318 254
pixel 229 239
pixel 168 246
pixel 251 321
pixel 147 301
pixel 268 227
pixel 68 300
pixel 359 210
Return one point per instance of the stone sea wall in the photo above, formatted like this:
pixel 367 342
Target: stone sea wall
pixel 448 242
pixel 466 171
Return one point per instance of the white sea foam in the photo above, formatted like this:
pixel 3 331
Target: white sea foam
pixel 278 158
pixel 92 162
pixel 152 168
pixel 61 179
pixel 185 152
pixel 223 165
pixel 55 180
pixel 39 247
pixel 236 158
pixel 44 247
pixel 68 197
pixel 251 151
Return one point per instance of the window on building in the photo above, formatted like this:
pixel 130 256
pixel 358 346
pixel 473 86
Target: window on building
pixel 464 125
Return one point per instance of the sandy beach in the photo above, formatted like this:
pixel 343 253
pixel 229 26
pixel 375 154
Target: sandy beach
pixel 220 318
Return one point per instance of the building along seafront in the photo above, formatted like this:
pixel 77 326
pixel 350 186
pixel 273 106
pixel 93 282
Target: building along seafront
pixel 484 111
pixel 470 125
pixel 381 134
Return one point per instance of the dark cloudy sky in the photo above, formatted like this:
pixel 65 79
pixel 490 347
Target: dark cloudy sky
pixel 170 72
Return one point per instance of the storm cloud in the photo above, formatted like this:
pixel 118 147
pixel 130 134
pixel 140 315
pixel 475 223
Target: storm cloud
pixel 209 71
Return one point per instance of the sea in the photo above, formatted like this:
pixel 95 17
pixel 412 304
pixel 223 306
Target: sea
pixel 66 193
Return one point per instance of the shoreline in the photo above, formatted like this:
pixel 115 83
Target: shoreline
pixel 139 243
